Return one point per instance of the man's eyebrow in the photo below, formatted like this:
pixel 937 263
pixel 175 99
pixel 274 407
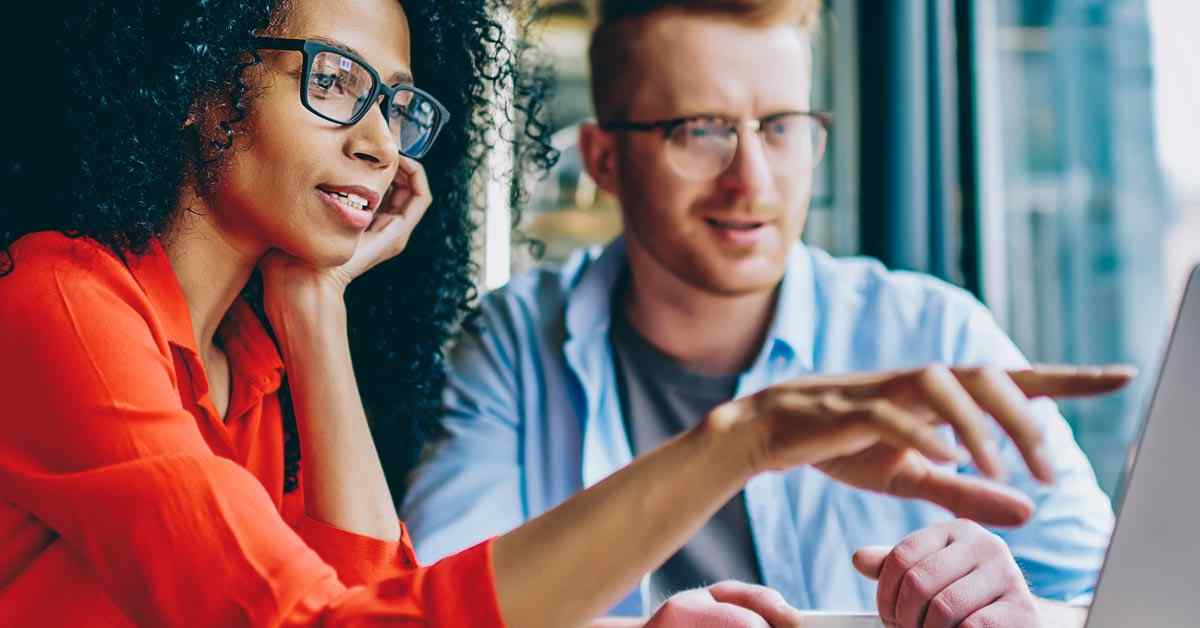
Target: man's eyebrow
pixel 396 77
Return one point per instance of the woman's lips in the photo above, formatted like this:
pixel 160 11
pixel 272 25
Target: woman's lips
pixel 351 213
pixel 357 193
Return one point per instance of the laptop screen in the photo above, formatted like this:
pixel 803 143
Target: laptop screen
pixel 1149 575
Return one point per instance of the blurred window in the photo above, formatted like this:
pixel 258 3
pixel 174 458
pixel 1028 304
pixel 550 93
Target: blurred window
pixel 1087 238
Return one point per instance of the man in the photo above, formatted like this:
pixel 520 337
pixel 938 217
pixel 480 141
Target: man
pixel 706 138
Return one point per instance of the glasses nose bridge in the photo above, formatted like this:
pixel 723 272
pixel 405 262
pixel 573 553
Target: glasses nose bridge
pixel 388 146
pixel 740 127
pixel 747 166
pixel 753 124
pixel 379 100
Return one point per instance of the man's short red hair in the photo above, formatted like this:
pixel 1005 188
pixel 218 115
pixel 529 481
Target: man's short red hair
pixel 618 22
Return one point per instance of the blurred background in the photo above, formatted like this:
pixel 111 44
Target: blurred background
pixel 1036 152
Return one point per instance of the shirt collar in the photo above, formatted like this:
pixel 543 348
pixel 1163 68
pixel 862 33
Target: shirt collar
pixel 252 353
pixel 792 330
pixel 154 274
pixel 589 306
pixel 794 323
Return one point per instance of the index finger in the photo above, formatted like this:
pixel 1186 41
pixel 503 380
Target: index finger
pixel 1071 381
pixel 765 601
pixel 417 182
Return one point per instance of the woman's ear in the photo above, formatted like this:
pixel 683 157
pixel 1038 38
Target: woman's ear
pixel 197 112
pixel 598 149
pixel 210 120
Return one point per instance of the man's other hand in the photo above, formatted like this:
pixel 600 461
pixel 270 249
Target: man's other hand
pixel 950 574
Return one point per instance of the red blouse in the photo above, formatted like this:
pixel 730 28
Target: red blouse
pixel 124 497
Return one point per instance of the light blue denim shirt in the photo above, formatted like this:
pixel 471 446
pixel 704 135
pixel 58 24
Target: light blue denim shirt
pixel 533 417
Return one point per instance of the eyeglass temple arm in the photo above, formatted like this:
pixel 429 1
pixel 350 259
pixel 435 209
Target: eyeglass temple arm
pixel 277 43
pixel 666 126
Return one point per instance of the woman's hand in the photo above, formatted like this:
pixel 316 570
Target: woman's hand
pixel 344 484
pixel 728 604
pixel 403 206
pixel 877 431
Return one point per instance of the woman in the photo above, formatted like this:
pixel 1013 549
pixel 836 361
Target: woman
pixel 185 244
pixel 188 155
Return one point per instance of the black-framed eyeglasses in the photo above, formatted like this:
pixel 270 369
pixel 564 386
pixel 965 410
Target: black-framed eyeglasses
pixel 702 147
pixel 341 88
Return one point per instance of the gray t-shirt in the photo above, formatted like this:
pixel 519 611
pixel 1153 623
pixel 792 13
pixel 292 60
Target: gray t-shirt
pixel 660 399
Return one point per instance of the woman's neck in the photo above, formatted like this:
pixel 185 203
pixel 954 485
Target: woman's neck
pixel 212 269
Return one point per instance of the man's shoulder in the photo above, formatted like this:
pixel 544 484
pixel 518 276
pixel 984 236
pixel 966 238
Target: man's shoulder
pixel 539 297
pixel 865 283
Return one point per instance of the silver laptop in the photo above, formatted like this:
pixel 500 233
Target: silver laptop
pixel 1150 574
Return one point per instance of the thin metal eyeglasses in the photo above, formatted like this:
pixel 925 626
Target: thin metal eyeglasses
pixel 704 146
pixel 337 86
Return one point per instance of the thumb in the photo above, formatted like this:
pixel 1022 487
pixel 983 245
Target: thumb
pixel 869 560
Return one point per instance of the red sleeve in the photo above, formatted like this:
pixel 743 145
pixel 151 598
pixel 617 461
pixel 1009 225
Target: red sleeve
pixel 448 593
pixel 97 445
pixel 357 559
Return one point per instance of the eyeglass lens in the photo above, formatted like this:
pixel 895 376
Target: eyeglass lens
pixel 340 88
pixel 705 147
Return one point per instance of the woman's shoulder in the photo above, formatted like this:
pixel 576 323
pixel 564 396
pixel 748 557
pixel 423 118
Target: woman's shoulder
pixel 45 268
pixel 43 255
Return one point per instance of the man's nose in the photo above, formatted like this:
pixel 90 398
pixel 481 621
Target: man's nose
pixel 750 172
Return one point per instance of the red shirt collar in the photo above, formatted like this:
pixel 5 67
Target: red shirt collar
pixel 252 353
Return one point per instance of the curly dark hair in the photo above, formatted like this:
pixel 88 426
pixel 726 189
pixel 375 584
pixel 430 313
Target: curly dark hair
pixel 102 153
